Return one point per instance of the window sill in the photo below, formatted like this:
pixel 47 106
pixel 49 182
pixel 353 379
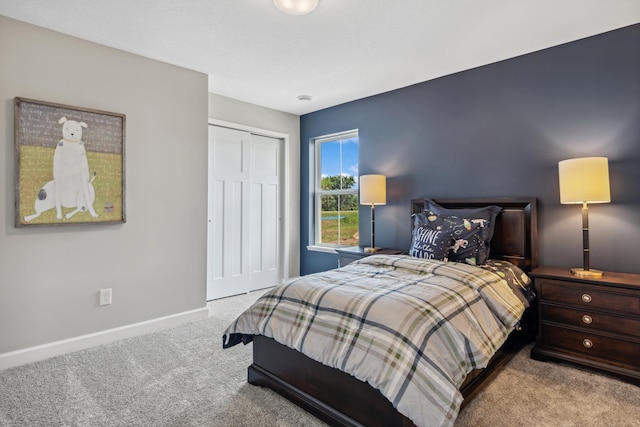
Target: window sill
pixel 325 249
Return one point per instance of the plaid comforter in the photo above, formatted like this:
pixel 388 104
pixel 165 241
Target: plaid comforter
pixel 413 328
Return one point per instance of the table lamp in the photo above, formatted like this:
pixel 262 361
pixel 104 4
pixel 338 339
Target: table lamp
pixel 584 180
pixel 373 191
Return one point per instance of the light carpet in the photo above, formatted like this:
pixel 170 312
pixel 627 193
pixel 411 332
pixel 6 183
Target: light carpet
pixel 182 377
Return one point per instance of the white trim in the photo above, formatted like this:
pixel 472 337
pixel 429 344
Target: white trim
pixel 326 249
pixel 337 136
pixel 316 226
pixel 58 348
pixel 250 129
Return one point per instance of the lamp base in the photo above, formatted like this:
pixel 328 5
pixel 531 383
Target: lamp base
pixel 370 250
pixel 581 272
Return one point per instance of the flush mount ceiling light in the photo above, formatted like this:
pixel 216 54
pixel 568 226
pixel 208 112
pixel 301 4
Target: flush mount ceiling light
pixel 296 7
pixel 305 97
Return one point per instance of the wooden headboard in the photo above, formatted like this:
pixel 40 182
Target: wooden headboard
pixel 515 237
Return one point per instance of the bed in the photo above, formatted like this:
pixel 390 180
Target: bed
pixel 341 399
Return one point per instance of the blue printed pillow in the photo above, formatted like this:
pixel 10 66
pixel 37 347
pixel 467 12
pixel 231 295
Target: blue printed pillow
pixel 485 233
pixel 468 243
pixel 467 236
pixel 430 239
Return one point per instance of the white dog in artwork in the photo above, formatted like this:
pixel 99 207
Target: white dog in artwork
pixel 71 186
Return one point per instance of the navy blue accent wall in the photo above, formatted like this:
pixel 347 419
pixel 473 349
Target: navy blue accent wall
pixel 500 130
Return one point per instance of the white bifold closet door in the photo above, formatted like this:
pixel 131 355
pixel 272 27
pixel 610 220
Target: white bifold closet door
pixel 244 250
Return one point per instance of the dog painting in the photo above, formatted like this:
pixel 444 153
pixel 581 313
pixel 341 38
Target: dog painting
pixel 70 164
pixel 71 186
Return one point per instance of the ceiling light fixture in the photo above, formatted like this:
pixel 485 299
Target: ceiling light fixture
pixel 296 7
pixel 305 97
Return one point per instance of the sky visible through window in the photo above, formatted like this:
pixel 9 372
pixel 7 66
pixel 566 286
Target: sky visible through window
pixel 334 164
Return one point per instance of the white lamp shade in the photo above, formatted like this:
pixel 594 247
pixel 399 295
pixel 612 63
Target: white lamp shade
pixel 296 7
pixel 373 189
pixel 584 180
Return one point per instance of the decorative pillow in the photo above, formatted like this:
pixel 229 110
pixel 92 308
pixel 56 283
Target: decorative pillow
pixel 488 213
pixel 467 244
pixel 430 239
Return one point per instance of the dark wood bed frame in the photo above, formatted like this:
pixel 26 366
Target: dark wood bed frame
pixel 342 400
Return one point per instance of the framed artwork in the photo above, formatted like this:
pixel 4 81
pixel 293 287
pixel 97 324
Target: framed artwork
pixel 69 164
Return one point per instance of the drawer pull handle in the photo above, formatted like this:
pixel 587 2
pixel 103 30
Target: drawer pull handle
pixel 586 297
pixel 587 343
pixel 587 319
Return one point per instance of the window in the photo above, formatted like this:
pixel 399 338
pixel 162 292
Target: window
pixel 336 190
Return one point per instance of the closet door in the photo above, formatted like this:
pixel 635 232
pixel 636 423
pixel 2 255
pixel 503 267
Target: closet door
pixel 266 209
pixel 245 205
pixel 229 199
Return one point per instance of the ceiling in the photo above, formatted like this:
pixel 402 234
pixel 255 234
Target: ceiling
pixel 344 50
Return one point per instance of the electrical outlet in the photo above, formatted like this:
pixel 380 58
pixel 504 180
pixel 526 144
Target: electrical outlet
pixel 105 296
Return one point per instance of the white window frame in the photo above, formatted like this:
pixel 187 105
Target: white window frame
pixel 319 192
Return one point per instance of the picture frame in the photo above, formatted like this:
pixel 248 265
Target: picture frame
pixel 69 164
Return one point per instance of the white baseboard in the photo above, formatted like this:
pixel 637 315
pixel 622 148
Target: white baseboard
pixel 57 348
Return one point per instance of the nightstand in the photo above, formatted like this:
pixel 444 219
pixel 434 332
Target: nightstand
pixel 348 255
pixel 593 322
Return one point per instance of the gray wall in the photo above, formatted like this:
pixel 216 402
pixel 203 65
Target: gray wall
pixel 500 130
pixel 156 262
pixel 242 113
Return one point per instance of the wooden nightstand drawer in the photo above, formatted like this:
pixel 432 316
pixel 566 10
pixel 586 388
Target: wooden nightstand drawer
pixel 591 320
pixel 594 346
pixel 588 296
